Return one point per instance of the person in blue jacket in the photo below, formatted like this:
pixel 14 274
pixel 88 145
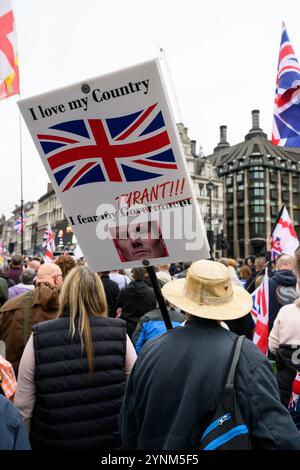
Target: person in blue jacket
pixel 152 325
pixel 13 435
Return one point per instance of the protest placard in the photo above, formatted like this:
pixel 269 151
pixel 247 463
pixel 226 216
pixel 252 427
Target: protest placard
pixel 113 154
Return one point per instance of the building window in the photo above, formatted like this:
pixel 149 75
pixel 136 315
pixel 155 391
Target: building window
pixel 257 210
pixel 285 196
pixel 274 194
pixel 240 195
pixel 258 184
pixel 256 160
pixel 257 230
pixel 256 192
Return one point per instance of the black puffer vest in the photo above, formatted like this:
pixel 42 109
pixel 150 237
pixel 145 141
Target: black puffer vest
pixel 70 411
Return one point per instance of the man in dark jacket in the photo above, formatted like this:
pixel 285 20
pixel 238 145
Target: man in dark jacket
pixel 112 292
pixel 178 378
pixel 259 265
pixel 15 269
pixel 136 300
pixel 282 287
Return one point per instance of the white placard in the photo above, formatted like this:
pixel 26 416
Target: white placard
pixel 113 154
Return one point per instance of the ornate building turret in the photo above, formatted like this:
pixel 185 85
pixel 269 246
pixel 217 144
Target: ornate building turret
pixel 258 178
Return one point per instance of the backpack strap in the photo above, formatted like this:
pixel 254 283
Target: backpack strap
pixel 27 305
pixel 236 350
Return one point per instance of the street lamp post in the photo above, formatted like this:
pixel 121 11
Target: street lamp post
pixel 210 186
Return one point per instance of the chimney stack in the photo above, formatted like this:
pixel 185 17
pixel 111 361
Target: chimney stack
pixel 255 119
pixel 223 134
pixel 255 131
pixel 223 139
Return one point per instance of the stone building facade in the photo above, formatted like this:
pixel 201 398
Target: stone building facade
pixel 258 178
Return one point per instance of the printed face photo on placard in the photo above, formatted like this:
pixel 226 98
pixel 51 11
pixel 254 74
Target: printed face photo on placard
pixel 139 241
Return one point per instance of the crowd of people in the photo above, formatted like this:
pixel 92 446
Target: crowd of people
pixel 89 363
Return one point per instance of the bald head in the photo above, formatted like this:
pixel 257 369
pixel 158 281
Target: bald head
pixel 34 264
pixel 285 262
pixel 50 273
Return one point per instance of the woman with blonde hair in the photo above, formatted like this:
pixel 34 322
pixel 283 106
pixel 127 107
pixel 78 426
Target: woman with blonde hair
pixel 73 371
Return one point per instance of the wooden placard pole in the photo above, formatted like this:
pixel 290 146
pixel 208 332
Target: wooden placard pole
pixel 159 297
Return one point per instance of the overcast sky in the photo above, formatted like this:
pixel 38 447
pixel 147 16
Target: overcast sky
pixel 222 57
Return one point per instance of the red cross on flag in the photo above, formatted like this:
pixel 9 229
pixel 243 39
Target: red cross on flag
pixel 9 69
pixel 285 240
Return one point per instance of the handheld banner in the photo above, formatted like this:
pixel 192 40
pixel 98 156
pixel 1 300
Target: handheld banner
pixel 113 154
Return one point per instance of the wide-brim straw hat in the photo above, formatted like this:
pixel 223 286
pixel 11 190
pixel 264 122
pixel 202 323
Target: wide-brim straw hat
pixel 208 292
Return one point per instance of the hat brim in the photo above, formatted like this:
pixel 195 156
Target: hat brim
pixel 239 305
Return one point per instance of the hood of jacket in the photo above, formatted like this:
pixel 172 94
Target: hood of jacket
pixel 137 289
pixel 285 277
pixel 46 296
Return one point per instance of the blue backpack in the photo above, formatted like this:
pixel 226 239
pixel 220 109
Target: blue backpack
pixel 225 428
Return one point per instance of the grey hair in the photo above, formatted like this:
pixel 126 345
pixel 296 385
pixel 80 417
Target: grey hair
pixel 28 276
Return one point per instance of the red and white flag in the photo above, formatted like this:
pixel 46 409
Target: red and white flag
pixel 9 68
pixel 260 315
pixel 294 400
pixel 284 237
pixel 49 244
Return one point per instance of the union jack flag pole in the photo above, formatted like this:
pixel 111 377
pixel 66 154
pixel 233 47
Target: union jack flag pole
pixel 260 315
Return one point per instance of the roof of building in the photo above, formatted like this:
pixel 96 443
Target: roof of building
pixel 249 153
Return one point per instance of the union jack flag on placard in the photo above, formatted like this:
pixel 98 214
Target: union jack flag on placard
pixel 135 147
pixel 286 120
pixel 19 224
pixel 260 315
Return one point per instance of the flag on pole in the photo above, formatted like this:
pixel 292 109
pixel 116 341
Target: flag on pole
pixel 286 119
pixel 1 247
pixel 49 244
pixel 19 224
pixel 285 240
pixel 9 68
pixel 294 404
pixel 260 315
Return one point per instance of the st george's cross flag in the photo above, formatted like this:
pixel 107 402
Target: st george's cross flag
pixel 9 68
pixel 260 315
pixel 49 244
pixel 284 238
pixel 286 119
